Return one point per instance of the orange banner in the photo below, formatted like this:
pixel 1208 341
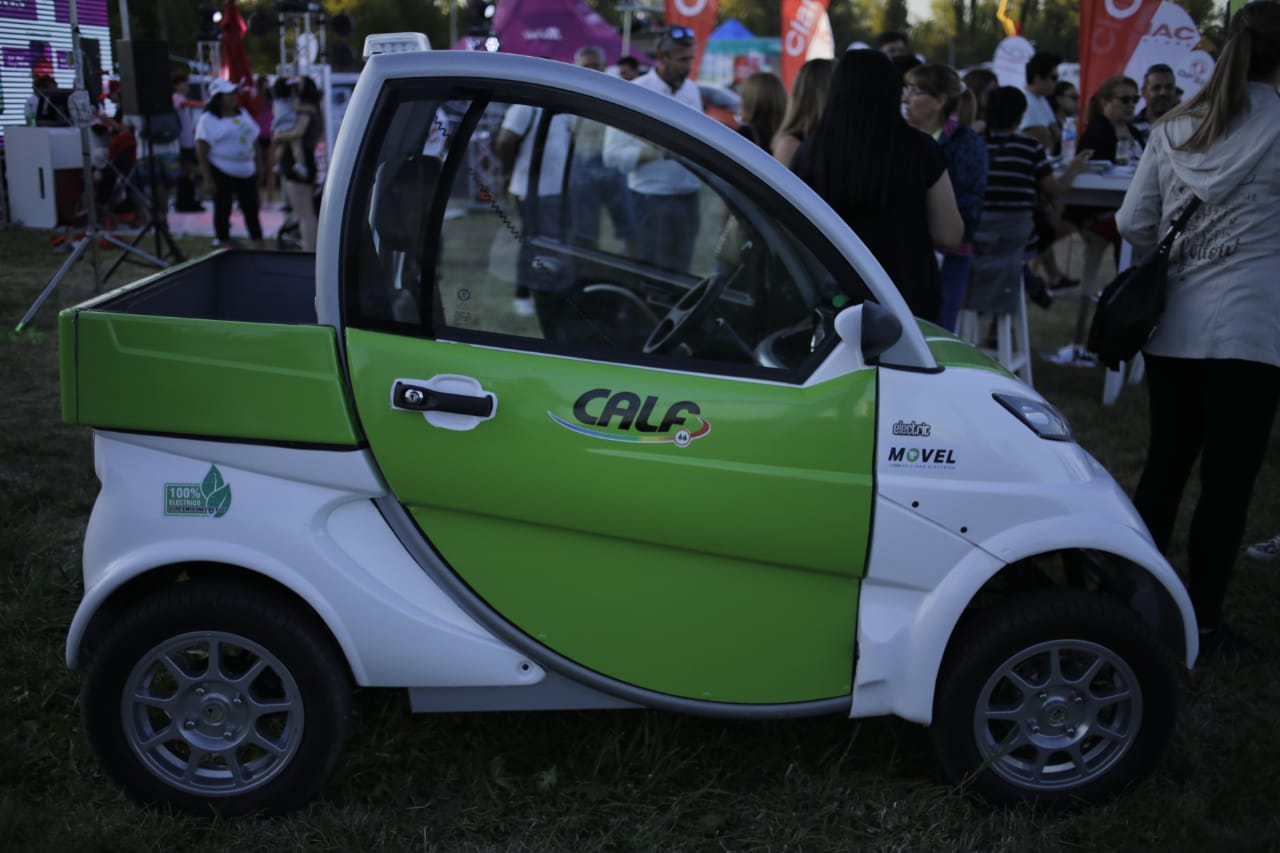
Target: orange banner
pixel 800 21
pixel 697 15
pixel 1109 33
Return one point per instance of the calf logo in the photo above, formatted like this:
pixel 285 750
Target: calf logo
pixel 624 416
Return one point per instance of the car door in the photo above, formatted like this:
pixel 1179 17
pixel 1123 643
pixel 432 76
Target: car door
pixel 620 455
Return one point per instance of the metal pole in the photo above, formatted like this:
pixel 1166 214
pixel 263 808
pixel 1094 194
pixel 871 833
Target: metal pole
pixel 453 22
pixel 124 19
pixel 82 120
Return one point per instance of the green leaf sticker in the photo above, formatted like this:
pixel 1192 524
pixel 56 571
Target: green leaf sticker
pixel 217 492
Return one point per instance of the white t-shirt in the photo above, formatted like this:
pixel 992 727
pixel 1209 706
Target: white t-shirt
pixel 1039 112
pixel 654 177
pixel 522 120
pixel 232 142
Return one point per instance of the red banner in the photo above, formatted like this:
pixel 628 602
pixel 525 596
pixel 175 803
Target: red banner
pixel 800 21
pixel 1109 33
pixel 697 15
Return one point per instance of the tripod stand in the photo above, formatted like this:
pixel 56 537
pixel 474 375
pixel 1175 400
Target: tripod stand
pixel 81 114
pixel 158 220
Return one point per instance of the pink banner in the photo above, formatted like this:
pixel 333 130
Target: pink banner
pixel 697 15
pixel 800 21
pixel 1109 33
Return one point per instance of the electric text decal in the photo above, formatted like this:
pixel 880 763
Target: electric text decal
pixel 912 428
pixel 625 417
pixel 210 498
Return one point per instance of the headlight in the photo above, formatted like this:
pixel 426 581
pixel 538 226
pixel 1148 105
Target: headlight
pixel 1040 417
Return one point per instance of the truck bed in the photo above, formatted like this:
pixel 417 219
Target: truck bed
pixel 225 346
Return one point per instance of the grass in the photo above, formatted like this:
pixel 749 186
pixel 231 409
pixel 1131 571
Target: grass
pixel 588 780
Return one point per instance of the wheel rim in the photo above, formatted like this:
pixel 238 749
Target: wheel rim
pixel 212 713
pixel 1057 715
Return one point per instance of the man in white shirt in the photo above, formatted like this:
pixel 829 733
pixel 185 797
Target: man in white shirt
pixel 1039 121
pixel 665 193
pixel 541 209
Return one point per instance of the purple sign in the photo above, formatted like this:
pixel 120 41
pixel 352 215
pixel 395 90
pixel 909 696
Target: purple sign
pixel 23 10
pixel 553 29
pixel 89 13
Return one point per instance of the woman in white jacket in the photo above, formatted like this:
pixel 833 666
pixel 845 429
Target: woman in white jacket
pixel 1213 364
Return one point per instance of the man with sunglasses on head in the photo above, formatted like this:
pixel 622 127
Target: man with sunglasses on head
pixel 1160 93
pixel 665 193
pixel 1040 121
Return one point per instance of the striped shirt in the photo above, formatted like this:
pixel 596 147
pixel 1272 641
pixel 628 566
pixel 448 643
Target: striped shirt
pixel 1015 165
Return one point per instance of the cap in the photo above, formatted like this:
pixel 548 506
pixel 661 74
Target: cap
pixel 221 87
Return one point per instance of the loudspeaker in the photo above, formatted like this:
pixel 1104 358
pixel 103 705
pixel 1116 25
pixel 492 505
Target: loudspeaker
pixel 145 89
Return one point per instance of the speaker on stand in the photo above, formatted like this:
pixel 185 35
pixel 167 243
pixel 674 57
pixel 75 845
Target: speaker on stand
pixel 146 92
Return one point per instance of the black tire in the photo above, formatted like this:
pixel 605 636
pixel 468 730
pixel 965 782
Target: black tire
pixel 1057 697
pixel 248 697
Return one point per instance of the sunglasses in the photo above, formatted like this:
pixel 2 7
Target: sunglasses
pixel 680 34
pixel 1125 99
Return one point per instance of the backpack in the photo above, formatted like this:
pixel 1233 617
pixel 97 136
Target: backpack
pixel 161 128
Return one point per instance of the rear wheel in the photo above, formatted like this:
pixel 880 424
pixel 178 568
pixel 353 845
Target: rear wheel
pixel 217 697
pixel 1055 697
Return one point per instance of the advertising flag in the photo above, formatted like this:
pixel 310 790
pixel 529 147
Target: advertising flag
pixel 1110 31
pixel 697 15
pixel 802 21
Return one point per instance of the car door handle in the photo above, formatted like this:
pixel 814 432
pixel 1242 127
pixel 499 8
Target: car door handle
pixel 419 398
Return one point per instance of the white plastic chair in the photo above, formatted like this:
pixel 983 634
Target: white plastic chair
pixel 1013 341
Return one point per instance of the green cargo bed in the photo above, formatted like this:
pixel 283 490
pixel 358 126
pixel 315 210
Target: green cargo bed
pixel 225 346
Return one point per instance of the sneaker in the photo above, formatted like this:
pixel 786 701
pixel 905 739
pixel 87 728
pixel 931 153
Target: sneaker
pixel 1222 642
pixel 1062 284
pixel 1265 551
pixel 1036 290
pixel 524 306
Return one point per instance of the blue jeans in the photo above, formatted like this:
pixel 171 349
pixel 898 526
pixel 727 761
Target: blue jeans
pixel 666 229
pixel 593 185
pixel 954 276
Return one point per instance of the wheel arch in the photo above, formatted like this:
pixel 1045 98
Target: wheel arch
pixel 97 612
pixel 905 652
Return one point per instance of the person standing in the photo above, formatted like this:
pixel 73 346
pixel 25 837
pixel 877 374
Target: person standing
pixel 1159 95
pixel 297 152
pixel 804 110
pixel 764 103
pixel 930 100
pixel 1213 363
pixel 592 184
pixel 892 44
pixel 1039 122
pixel 665 193
pixel 188 111
pixel 227 149
pixel 887 180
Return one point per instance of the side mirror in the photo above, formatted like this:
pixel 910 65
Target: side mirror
pixel 868 328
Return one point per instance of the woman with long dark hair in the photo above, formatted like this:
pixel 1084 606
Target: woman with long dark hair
pixel 886 179
pixel 1213 364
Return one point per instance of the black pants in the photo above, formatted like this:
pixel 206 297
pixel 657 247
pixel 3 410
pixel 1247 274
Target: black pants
pixel 244 191
pixel 1221 410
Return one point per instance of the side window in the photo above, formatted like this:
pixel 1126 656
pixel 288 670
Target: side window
pixel 524 224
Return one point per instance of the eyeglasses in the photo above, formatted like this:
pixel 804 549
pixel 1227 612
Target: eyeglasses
pixel 1125 99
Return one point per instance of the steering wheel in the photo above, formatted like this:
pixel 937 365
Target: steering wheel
pixel 688 312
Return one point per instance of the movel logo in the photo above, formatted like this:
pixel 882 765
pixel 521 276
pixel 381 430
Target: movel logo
pixel 210 498
pixel 934 457
pixel 632 413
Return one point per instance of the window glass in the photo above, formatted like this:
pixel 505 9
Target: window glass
pixel 568 233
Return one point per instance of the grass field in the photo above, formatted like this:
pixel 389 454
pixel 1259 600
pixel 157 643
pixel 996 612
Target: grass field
pixel 589 780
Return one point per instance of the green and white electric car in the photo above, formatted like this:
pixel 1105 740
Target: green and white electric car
pixel 752 487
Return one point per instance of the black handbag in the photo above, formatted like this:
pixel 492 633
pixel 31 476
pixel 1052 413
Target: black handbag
pixel 1130 306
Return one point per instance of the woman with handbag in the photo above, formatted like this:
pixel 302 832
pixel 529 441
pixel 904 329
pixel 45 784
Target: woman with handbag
pixel 1213 362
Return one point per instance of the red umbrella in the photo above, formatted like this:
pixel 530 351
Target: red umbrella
pixel 235 63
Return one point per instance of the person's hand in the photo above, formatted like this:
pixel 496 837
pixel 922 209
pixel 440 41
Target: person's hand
pixel 1078 163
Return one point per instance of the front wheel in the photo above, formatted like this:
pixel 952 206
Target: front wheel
pixel 217 697
pixel 1055 697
